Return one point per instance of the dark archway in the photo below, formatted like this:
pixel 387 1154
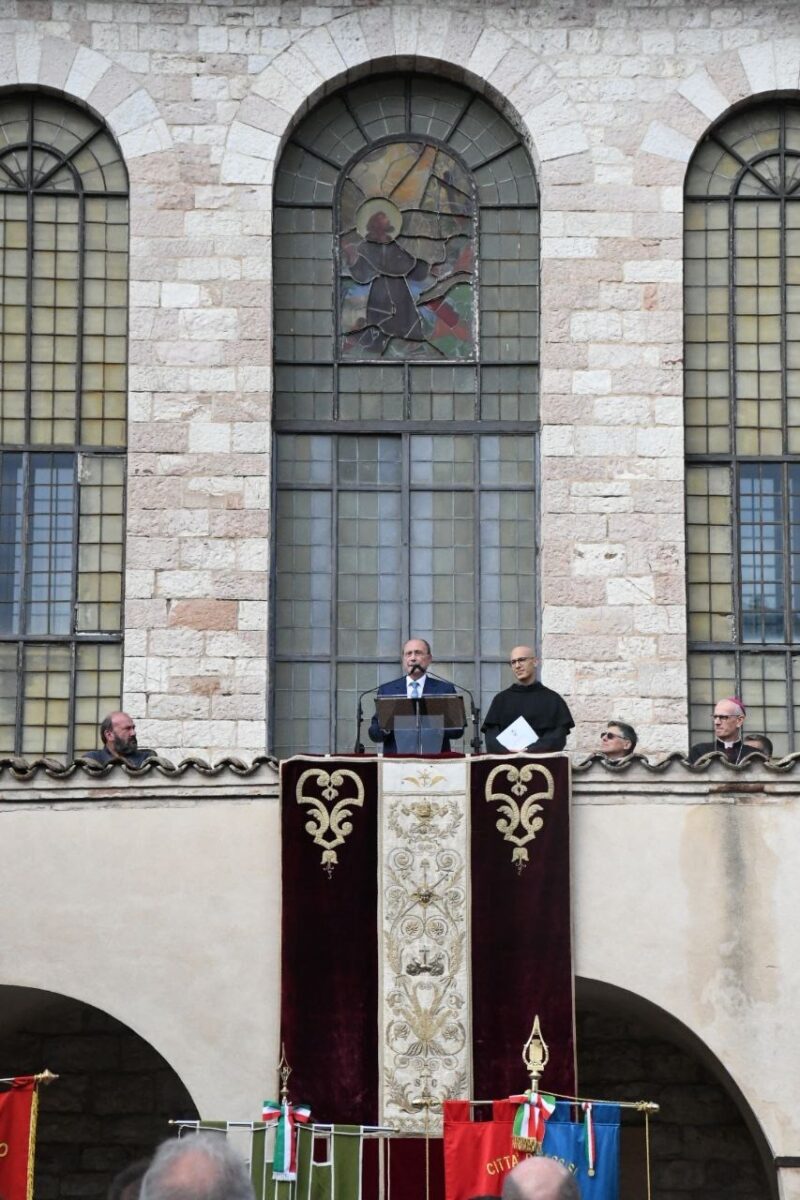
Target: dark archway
pixel 706 1143
pixel 113 1099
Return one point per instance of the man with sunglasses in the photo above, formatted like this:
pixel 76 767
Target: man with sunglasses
pixel 618 740
pixel 545 711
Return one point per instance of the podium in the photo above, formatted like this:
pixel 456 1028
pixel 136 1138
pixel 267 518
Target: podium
pixel 420 725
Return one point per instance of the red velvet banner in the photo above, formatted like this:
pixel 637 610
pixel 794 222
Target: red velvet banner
pixel 521 921
pixel 17 1138
pixel 329 956
pixel 521 948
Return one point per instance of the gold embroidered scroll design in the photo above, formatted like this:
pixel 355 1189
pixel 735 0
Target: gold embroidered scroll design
pixel 519 823
pixel 329 828
pixel 425 948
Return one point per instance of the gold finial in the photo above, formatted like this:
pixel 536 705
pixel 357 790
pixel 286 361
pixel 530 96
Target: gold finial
pixel 535 1054
pixel 45 1076
pixel 284 1071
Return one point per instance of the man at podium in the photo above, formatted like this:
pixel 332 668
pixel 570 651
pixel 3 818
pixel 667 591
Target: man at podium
pixel 414 684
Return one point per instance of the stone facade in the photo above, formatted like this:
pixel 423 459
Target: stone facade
pixel 612 98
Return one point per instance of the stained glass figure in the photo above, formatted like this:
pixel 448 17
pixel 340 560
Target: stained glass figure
pixel 406 255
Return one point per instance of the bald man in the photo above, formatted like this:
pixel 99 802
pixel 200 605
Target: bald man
pixel 545 711
pixel 540 1178
pixel 118 736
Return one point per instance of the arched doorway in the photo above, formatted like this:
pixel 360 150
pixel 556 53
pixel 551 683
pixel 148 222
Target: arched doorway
pixel 113 1099
pixel 705 1142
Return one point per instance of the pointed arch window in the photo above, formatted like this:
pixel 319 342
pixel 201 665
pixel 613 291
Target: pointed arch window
pixel 742 281
pixel 63 350
pixel 406 296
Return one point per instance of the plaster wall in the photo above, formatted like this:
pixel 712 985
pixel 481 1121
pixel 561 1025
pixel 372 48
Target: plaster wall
pixel 612 98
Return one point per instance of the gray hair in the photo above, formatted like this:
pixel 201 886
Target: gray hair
pixel 200 1167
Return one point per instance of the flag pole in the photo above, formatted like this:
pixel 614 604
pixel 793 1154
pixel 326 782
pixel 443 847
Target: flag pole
pixel 44 1076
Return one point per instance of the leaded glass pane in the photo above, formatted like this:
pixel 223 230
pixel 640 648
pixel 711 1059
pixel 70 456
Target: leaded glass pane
pixel 9 690
pixel 46 700
pixel 509 285
pixel 761 553
pixel 371 393
pixel 98 676
pixel 50 530
pixel 12 501
pixel 304 572
pixel 302 707
pixel 63 302
pixel 380 532
pixel 442 569
pixel 303 393
pixel 442 393
pixel 508 591
pixel 369 568
pixel 742 293
pixel 100 545
pixel 442 459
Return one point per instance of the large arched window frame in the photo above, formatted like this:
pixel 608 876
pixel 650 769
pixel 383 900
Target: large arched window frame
pixel 742 289
pixel 405 467
pixel 63 396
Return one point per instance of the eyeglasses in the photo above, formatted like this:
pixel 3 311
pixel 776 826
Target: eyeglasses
pixel 516 662
pixel 725 716
pixel 607 735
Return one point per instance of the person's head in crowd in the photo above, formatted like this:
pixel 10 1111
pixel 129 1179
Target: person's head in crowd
pixel 417 657
pixel 618 740
pixel 760 742
pixel 127 1183
pixel 118 734
pixel 540 1178
pixel 199 1167
pixel 523 662
pixel 729 717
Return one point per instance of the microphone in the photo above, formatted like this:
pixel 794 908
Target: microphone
pixel 358 748
pixel 474 711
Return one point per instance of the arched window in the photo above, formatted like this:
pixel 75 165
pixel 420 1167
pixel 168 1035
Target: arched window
pixel 406 403
pixel 63 302
pixel 743 419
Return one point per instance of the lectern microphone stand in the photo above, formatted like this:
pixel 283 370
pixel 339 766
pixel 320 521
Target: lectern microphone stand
pixel 420 725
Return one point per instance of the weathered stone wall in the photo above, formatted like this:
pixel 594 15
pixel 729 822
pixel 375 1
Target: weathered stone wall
pixel 700 1148
pixel 111 1103
pixel 612 97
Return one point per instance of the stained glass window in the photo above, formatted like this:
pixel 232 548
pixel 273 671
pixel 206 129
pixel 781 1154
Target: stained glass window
pixel 742 281
pixel 406 398
pixel 63 332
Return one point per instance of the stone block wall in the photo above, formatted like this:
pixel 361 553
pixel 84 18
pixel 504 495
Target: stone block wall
pixel 612 96
pixel 111 1104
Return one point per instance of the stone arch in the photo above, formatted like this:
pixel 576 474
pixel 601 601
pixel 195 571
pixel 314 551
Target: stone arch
pixel 711 90
pixel 86 75
pixel 628 1046
pixel 114 1096
pixel 457 43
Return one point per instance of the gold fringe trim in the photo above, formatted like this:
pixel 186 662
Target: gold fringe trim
pixel 526 1144
pixel 32 1139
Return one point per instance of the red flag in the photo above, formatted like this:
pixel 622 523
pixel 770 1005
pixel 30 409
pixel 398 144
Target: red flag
pixel 18 1138
pixel 477 1154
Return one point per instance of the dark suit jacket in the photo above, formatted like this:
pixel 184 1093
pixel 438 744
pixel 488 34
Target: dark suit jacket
pixel 397 687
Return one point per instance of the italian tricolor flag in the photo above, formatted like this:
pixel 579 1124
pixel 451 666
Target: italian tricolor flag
pixel 284 1158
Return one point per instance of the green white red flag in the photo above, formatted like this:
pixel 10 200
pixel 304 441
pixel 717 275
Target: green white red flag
pixel 284 1158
